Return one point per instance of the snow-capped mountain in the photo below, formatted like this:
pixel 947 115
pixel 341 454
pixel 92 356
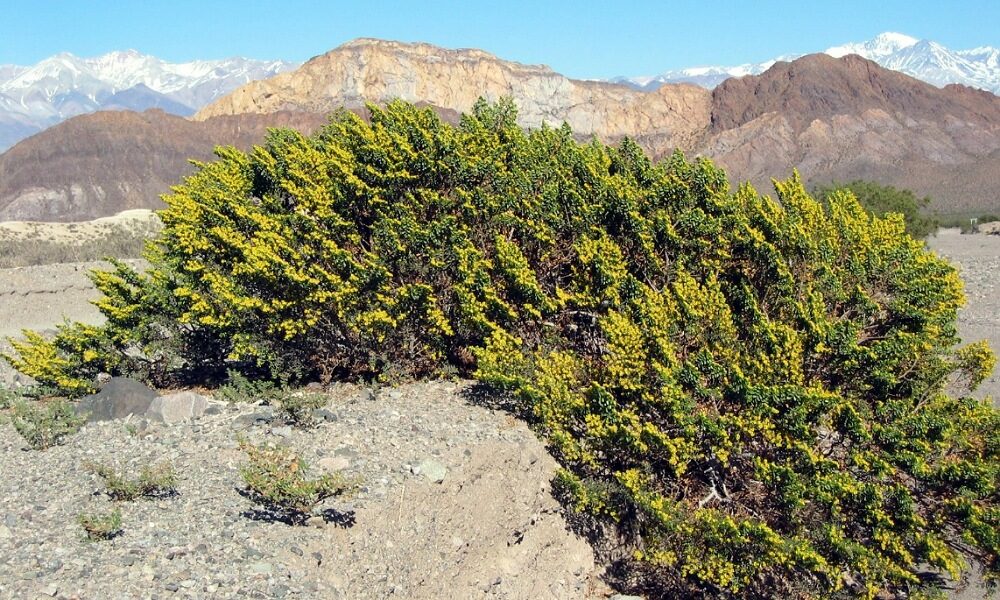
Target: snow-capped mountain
pixel 922 59
pixel 61 86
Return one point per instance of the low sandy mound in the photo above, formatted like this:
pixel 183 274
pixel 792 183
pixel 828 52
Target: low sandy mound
pixel 81 231
pixel 489 529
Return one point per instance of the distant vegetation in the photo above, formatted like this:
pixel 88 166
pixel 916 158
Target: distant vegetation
pixel 881 200
pixel 747 395
pixel 965 222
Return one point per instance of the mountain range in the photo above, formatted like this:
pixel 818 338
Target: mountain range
pixel 62 86
pixel 923 59
pixel 831 118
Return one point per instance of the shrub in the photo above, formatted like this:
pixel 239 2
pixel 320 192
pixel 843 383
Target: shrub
pixel 297 407
pixel 751 391
pixel 276 479
pixel 238 389
pixel 156 481
pixel 8 397
pixel 101 526
pixel 45 424
pixel 880 200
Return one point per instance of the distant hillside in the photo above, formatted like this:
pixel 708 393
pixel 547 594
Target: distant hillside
pixel 100 164
pixel 847 118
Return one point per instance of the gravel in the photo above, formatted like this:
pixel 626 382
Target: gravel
pixel 454 502
pixel 978 260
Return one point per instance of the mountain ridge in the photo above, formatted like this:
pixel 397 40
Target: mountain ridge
pixel 922 59
pixel 833 119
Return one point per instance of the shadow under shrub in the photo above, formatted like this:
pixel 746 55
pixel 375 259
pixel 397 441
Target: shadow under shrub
pixel 750 391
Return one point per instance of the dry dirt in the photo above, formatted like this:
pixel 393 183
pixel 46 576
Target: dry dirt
pixel 978 260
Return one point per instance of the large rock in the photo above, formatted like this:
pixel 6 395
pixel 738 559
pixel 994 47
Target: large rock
pixel 118 399
pixel 176 408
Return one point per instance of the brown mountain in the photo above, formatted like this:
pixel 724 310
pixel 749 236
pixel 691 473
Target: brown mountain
pixel 847 118
pixel 831 118
pixel 102 163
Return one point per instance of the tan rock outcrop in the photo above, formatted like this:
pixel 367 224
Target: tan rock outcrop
pixel 378 71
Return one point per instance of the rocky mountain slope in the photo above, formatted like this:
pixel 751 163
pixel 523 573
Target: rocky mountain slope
pixel 922 59
pixel 38 96
pixel 367 70
pixel 847 118
pixel 831 118
pixel 100 164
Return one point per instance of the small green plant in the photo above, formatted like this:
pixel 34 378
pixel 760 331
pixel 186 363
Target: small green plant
pixel 276 478
pixel 153 481
pixel 8 397
pixel 297 407
pixel 44 425
pixel 239 389
pixel 101 527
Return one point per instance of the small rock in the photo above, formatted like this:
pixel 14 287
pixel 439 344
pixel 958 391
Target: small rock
pixel 176 408
pixel 325 415
pixel 625 597
pixel 432 470
pixel 118 399
pixel 5 533
pixel 285 431
pixel 316 521
pixel 334 463
pixel 261 568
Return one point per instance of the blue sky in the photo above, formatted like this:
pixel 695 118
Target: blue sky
pixel 581 39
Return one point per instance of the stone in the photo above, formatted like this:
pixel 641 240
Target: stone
pixel 262 568
pixel 177 408
pixel 625 597
pixel 432 470
pixel 316 521
pixel 325 415
pixel 334 463
pixel 119 398
pixel 284 431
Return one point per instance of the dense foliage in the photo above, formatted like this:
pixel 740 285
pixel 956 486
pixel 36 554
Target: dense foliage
pixel 751 391
pixel 881 200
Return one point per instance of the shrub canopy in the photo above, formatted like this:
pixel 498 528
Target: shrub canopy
pixel 752 391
